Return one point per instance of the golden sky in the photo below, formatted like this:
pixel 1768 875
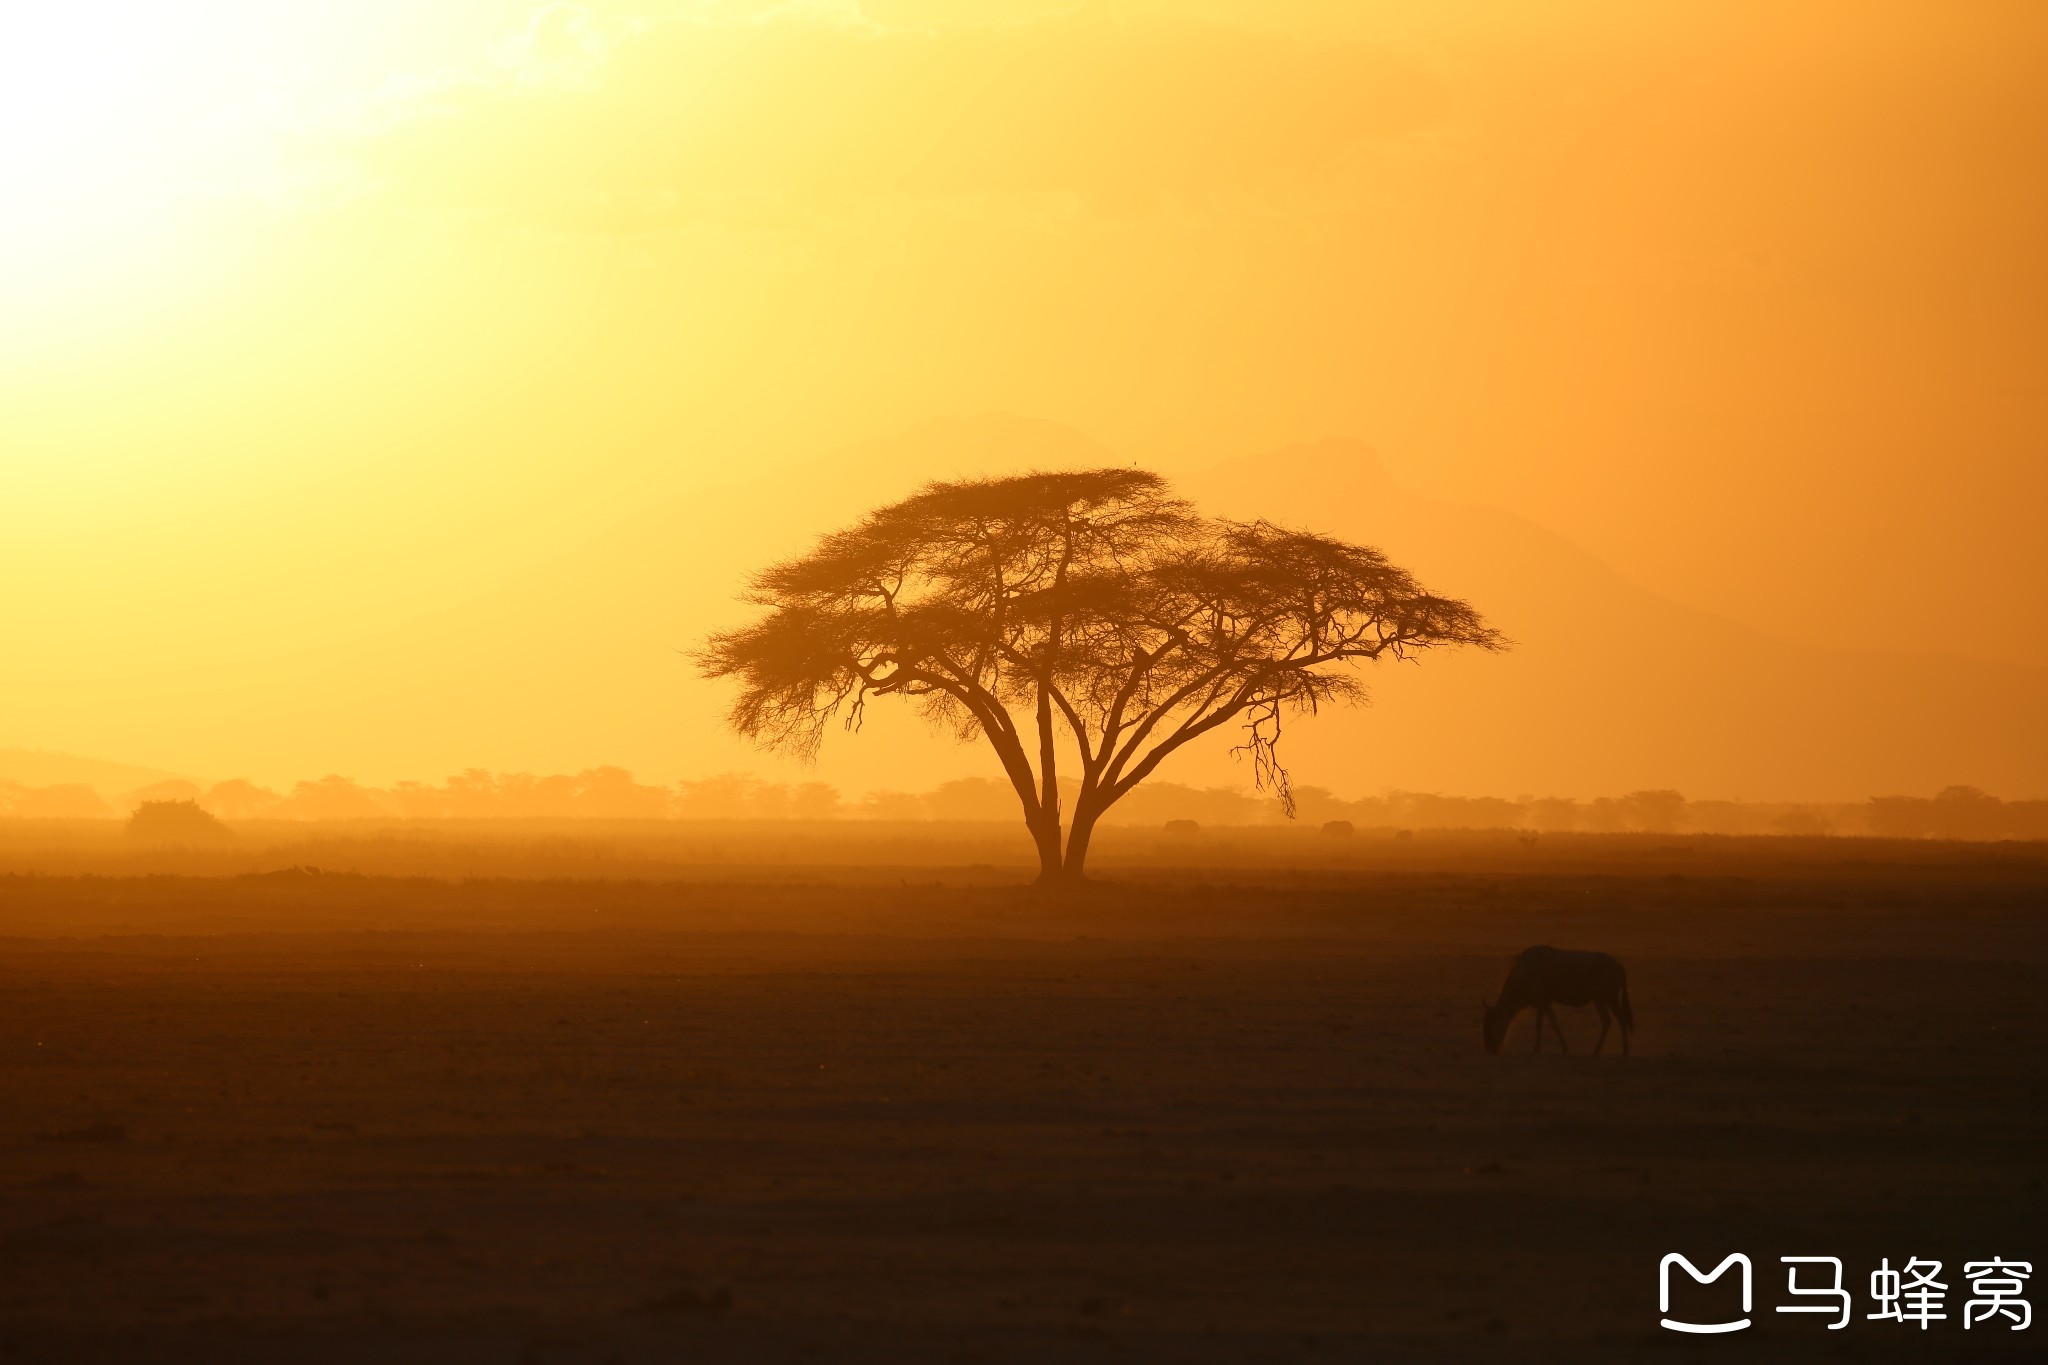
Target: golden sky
pixel 319 318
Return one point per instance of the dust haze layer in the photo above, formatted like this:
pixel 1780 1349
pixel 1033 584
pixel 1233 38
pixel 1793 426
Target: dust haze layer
pixel 1609 687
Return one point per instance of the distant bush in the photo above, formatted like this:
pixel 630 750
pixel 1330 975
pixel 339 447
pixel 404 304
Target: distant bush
pixel 176 823
pixel 1802 824
pixel 892 805
pixel 1339 829
pixel 1183 827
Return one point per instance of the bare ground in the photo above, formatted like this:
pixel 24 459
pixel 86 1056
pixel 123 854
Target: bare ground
pixel 336 1118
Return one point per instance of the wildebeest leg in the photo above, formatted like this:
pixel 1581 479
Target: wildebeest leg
pixel 1601 1041
pixel 1558 1029
pixel 1538 1012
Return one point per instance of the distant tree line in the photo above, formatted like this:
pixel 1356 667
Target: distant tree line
pixel 595 793
pixel 1957 813
pixel 614 793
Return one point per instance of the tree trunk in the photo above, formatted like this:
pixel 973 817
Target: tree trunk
pixel 1045 832
pixel 1047 829
pixel 1075 868
pixel 1048 767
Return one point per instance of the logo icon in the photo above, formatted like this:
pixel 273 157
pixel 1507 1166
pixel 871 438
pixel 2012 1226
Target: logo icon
pixel 1704 1328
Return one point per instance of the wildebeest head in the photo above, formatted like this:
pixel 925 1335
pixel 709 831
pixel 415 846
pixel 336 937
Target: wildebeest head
pixel 1493 1022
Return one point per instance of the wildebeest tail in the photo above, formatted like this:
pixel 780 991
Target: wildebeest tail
pixel 1621 1008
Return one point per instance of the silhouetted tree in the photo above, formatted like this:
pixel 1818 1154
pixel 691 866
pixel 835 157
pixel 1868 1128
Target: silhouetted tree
pixel 176 822
pixel 723 797
pixel 1092 604
pixel 177 789
pixel 1654 812
pixel 333 797
pixel 612 793
pixel 239 799
pixel 814 801
pixel 889 805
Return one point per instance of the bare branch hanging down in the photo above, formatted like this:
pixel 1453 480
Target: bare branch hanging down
pixel 1092 614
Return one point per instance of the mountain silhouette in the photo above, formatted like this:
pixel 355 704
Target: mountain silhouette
pixel 40 768
pixel 1611 687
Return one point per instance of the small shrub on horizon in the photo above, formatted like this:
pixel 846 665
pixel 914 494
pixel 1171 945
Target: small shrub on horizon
pixel 176 823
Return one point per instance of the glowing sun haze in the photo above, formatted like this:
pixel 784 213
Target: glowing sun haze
pixel 319 319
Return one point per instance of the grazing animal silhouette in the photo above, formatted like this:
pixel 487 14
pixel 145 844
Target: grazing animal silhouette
pixel 1543 976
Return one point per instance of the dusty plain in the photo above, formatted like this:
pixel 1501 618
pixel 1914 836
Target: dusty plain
pixel 1224 1112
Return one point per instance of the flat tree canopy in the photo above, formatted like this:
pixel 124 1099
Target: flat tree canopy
pixel 1090 612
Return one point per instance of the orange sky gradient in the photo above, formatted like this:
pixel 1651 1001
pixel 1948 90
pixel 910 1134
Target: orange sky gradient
pixel 392 388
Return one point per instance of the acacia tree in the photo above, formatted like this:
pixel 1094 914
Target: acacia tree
pixel 1090 612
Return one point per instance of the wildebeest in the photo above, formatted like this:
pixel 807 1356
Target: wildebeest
pixel 1543 976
